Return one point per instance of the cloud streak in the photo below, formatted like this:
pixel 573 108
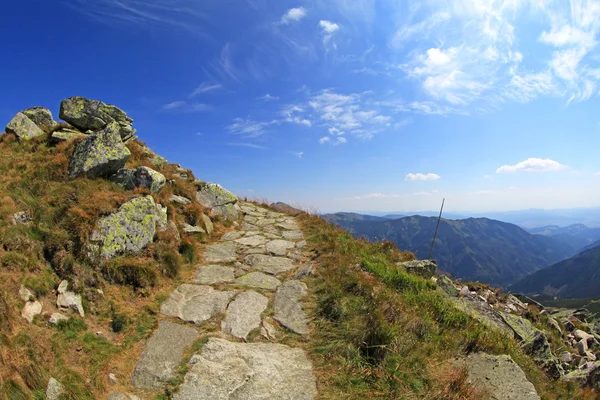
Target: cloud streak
pixel 422 177
pixel 532 165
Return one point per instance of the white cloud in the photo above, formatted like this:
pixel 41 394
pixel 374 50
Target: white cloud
pixel 328 26
pixel 532 165
pixel 487 176
pixel 341 140
pixel 249 145
pixel 293 15
pixel 567 35
pixel 173 105
pixel 324 139
pixel 206 87
pixel 422 177
pixel 249 128
pixel 183 106
pixel 268 97
pixel 298 154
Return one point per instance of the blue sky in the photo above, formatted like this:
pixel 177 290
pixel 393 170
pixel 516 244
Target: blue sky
pixel 335 104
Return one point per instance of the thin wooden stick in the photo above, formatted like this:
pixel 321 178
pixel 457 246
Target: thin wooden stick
pixel 436 230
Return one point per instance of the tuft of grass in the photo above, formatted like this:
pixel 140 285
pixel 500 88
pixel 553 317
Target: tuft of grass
pixel 135 272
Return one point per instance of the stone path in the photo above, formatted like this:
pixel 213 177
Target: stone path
pixel 248 282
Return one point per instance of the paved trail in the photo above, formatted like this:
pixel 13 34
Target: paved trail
pixel 249 271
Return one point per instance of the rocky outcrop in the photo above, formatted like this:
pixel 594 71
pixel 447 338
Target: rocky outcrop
pixel 40 116
pixel 128 230
pixel 423 268
pixel 69 300
pixel 219 200
pixel 23 127
pixel 249 371
pixel 100 154
pixel 94 115
pixel 141 177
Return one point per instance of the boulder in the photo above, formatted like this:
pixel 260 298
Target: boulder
pixel 99 154
pixel 40 116
pixel 69 300
pixel 23 128
pixel 141 177
pixel 55 318
pixel 31 309
pixel 25 294
pixel 65 135
pixel 54 390
pixel 589 375
pixel 250 371
pixel 499 377
pixel 86 114
pixel 422 268
pixel 128 230
pixel 208 225
pixel 447 286
pixel 534 341
pixel 163 353
pixel 219 200
pixel 179 200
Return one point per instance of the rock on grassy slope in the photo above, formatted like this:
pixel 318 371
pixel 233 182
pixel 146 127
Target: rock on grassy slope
pixel 130 279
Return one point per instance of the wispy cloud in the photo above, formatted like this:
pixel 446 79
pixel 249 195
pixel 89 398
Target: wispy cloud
pixel 183 106
pixel 268 97
pixel 249 145
pixel 422 177
pixel 249 128
pixel 293 15
pixel 328 27
pixel 206 87
pixel 298 154
pixel 532 165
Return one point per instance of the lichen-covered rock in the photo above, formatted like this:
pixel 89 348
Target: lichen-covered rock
pixel 534 341
pixel 100 154
pixel 54 390
pixel 64 135
pixel 86 114
pixel 208 225
pixel 220 200
pixel 141 177
pixel 23 128
pixel 422 268
pixel 446 284
pixel 128 230
pixel 40 116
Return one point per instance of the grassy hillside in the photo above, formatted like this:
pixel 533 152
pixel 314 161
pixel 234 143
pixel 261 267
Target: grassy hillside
pixel 380 333
pixel 577 277
pixel 477 249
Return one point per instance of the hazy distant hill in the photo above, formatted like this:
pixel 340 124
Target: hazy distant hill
pixel 347 217
pixel 578 235
pixel 474 249
pixel 578 276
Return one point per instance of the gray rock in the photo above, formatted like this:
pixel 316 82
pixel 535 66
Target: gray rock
pixel 220 200
pixel 290 226
pixel 447 286
pixel 269 264
pixel 21 217
pixel 252 241
pixel 249 227
pixel 163 353
pixel 69 300
pixel 292 235
pixel 122 396
pixel 304 271
pixel 55 318
pixel 179 200
pixel 25 294
pixel 129 230
pixel 288 308
pixel 86 114
pixel 582 347
pixel 566 357
pixel 264 221
pixel 301 244
pixel 589 375
pixel 423 268
pixel 23 128
pixel 279 247
pixel 31 309
pixel 228 211
pixel 268 329
pixel 195 303
pixel 231 236
pixel 212 274
pixel 259 280
pixel 500 377
pixel 271 371
pixel 187 228
pixel 64 135
pixel 54 390
pixel 99 154
pixel 464 291
pixel 141 177
pixel 40 116
pixel 112 379
pixel 243 314
pixel 220 253
pixel 208 225
pixel 534 341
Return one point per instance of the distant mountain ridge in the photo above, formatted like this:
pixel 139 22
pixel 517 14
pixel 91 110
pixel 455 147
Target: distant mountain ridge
pixel 478 249
pixel 576 277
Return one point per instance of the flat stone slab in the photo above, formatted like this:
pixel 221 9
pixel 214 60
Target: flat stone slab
pixel 252 241
pixel 162 355
pixel 249 227
pixel 220 252
pixel 279 247
pixel 288 308
pixel 500 377
pixel 212 274
pixel 269 264
pixel 243 314
pixel 231 235
pixel 259 280
pixel 292 235
pixel 195 303
pixel 288 226
pixel 248 371
pixel 264 222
